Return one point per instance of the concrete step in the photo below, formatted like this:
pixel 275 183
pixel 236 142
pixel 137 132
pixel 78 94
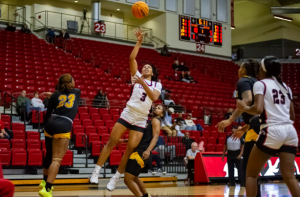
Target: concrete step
pixel 77 161
pixel 80 155
pixel 74 151
pixel 81 165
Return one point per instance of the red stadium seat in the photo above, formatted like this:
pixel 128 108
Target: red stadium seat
pixel 67 159
pixel 103 111
pixel 106 117
pixel 90 129
pixel 180 150
pixel 214 134
pixel 104 138
pixel 82 110
pixel 114 112
pixel 33 144
pixel 19 135
pixel 115 118
pixel 98 123
pixel 102 130
pixel 18 144
pixel 206 134
pixel 95 116
pixel 32 135
pixel 84 116
pixel 202 139
pixel 221 140
pixel 96 148
pixel 76 122
pixel 122 147
pixel 115 158
pixel 93 110
pixel 5 156
pixel 19 158
pixel 222 134
pixel 211 140
pixel 220 147
pixel 210 148
pixel 109 123
pixel 196 134
pixel 43 145
pixel 93 137
pixel 78 129
pixel 35 157
pixel 5 118
pixel 87 122
pixel 5 143
pixel 37 117
pixel 80 140
pixel 18 126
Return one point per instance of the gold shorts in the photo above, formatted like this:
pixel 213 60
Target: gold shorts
pixel 251 136
pixel 59 136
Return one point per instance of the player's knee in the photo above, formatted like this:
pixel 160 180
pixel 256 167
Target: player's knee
pixel 128 179
pixel 47 161
pixel 112 143
pixel 56 161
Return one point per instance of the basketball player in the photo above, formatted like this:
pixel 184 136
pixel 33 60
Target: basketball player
pixel 63 106
pixel 145 90
pixel 278 135
pixel 248 73
pixel 140 156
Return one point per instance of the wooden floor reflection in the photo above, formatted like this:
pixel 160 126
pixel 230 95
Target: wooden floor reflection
pixel 156 189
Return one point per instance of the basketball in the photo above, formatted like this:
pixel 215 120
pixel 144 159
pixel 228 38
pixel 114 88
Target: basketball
pixel 140 10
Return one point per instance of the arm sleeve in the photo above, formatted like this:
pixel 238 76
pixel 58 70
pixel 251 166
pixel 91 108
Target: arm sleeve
pixel 226 140
pixel 158 86
pixel 242 141
pixel 243 86
pixel 259 88
pixel 50 108
pixel 133 78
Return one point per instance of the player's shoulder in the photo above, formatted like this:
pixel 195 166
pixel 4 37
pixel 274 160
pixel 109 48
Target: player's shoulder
pixel 157 84
pixel 76 91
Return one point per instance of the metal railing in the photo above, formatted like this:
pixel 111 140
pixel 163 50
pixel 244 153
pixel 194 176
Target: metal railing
pixel 8 12
pixel 115 30
pixel 160 40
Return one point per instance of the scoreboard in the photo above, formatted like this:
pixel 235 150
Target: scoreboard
pixel 201 31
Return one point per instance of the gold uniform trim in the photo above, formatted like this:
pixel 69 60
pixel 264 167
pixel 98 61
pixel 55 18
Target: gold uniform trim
pixel 58 136
pixel 136 156
pixel 251 136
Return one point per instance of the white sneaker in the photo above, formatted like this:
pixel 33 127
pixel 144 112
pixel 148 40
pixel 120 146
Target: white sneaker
pixel 94 178
pixel 112 183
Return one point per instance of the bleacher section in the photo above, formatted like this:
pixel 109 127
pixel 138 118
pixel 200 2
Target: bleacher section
pixel 31 64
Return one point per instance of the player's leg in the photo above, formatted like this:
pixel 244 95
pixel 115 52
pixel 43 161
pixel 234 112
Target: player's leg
pixel 133 141
pixel 256 162
pixel 47 161
pixel 116 134
pixel 141 185
pixel 59 149
pixel 132 185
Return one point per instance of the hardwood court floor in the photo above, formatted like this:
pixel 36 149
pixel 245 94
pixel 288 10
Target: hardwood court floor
pixel 155 189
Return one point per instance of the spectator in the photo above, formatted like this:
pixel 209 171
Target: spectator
pixel 10 27
pixel 176 65
pixel 183 68
pixel 234 94
pixel 190 123
pixel 51 35
pixel 167 125
pixel 156 158
pixel 161 148
pixel 63 34
pixel 37 103
pixel 179 119
pixel 25 30
pixel 182 78
pixel 188 77
pixel 22 100
pixel 192 152
pixel 168 100
pixel 177 127
pixel 228 114
pixel 3 134
pixel 100 99
pixel 165 51
pixel 164 91
pixel 234 148
pixel 187 141
pixel 46 100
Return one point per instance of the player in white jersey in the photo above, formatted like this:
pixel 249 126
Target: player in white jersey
pixel 273 100
pixel 145 91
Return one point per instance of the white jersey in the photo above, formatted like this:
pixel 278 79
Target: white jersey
pixel 276 105
pixel 139 101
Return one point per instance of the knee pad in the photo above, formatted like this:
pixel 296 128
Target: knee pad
pixel 57 161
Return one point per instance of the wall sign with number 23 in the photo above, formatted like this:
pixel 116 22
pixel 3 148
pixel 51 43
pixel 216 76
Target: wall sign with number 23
pixel 100 27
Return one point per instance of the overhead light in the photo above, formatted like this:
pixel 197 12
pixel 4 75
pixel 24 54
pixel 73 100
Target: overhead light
pixel 233 27
pixel 118 9
pixel 76 1
pixel 283 18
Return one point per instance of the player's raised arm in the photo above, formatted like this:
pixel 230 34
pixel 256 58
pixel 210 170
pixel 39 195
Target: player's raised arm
pixel 132 61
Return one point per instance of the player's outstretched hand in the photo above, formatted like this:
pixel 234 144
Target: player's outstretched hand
pixel 139 34
pixel 146 154
pixel 240 105
pixel 238 133
pixel 222 125
pixel 139 80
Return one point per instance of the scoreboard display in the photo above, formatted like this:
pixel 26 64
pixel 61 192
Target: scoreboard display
pixel 200 31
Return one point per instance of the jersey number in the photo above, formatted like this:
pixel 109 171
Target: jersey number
pixel 63 101
pixel 143 98
pixel 276 99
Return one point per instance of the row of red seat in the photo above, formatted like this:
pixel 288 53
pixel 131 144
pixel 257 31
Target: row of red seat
pixel 22 144
pixel 32 157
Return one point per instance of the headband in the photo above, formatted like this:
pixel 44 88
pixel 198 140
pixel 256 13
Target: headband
pixel 263 65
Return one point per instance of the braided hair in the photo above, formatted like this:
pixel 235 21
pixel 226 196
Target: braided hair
pixel 65 83
pixel 252 67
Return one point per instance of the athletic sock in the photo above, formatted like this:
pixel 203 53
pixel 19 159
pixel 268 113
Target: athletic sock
pixel 118 174
pixel 45 178
pixel 145 195
pixel 97 169
pixel 48 186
